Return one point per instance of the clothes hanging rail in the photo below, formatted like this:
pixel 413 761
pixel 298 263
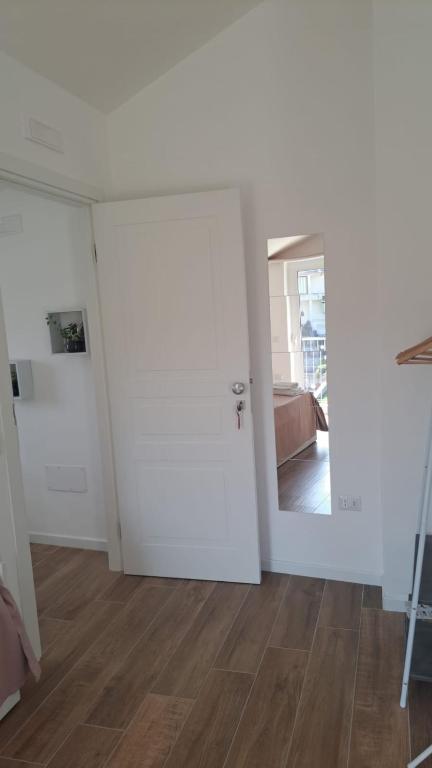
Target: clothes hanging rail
pixel 420 354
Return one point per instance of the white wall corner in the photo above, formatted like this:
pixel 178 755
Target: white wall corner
pixel 395 603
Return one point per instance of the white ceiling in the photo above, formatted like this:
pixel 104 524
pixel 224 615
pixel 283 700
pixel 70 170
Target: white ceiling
pixel 105 51
pixel 277 244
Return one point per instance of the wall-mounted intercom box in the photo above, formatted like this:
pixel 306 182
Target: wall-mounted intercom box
pixel 22 379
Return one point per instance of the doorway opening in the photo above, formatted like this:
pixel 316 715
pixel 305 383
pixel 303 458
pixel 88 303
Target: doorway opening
pixel 296 268
pixel 46 286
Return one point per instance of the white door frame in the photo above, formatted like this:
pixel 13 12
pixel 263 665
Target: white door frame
pixel 42 180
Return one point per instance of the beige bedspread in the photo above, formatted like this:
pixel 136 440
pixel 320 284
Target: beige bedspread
pixel 295 424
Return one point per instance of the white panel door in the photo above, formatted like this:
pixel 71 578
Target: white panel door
pixel 15 561
pixel 173 301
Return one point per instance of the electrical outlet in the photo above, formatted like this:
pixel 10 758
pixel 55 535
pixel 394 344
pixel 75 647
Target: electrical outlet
pixel 350 503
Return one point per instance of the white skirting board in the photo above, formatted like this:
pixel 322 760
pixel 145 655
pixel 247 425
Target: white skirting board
pixel 318 571
pixel 9 703
pixel 314 570
pixel 68 541
pixel 397 603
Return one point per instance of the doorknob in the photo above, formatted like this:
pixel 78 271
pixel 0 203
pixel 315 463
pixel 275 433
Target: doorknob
pixel 238 387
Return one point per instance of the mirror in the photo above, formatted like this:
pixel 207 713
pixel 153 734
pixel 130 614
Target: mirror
pixel 296 272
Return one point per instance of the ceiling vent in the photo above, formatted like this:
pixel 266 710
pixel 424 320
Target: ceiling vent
pixel 43 134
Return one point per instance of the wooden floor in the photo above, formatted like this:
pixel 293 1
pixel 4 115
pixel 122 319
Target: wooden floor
pixel 304 481
pixel 152 673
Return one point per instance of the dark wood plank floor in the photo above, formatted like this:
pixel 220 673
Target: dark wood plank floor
pixel 304 480
pixel 153 673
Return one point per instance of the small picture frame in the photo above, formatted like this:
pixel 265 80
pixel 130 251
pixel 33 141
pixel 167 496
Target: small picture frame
pixel 68 332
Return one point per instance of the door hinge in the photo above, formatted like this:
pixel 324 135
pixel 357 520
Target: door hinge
pixel 119 529
pixel 95 253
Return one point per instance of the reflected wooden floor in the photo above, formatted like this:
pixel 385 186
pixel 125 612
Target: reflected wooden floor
pixel 304 481
pixel 152 673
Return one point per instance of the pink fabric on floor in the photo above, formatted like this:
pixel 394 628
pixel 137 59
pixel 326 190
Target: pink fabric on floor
pixel 16 654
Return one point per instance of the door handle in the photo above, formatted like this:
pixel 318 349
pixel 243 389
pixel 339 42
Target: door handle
pixel 238 387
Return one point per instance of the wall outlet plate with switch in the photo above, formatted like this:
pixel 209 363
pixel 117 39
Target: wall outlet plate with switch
pixel 350 503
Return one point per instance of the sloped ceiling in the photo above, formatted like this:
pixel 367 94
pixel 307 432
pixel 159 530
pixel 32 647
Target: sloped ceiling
pixel 105 51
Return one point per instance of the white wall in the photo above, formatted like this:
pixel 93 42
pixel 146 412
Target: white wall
pixel 403 61
pixel 47 268
pixel 281 105
pixel 24 93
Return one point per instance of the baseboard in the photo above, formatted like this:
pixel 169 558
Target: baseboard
pixel 276 566
pixel 396 603
pixel 321 572
pixel 68 541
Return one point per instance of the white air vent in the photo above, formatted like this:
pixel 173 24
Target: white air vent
pixel 43 134
pixel 11 225
pixel 67 479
